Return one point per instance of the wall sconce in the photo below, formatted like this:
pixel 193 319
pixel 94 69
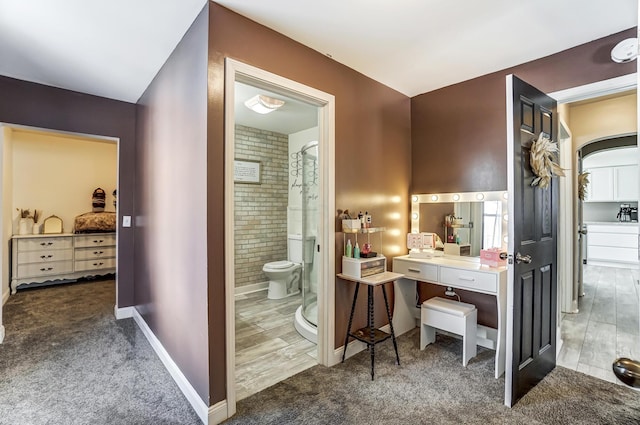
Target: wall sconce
pixel 263 104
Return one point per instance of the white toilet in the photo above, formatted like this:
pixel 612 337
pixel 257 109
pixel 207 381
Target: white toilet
pixel 285 276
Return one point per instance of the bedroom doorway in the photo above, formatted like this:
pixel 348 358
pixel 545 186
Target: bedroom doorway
pixel 52 174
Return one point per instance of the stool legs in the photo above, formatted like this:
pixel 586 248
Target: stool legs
pixel 427 335
pixel 469 347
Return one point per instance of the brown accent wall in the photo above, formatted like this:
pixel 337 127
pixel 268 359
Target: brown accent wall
pixel 37 105
pixel 171 210
pixel 372 160
pixel 458 132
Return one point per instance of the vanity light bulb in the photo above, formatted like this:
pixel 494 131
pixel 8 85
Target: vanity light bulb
pixel 505 195
pixel 456 197
pixel 434 197
pixel 505 217
pixel 505 239
pixel 415 198
pixel 414 216
pixel 479 196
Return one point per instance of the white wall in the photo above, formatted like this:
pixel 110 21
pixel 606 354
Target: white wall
pixel 57 174
pixel 6 214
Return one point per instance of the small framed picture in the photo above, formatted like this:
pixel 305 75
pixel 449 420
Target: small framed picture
pixel 246 171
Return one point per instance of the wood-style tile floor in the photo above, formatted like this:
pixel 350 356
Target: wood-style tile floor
pixel 268 347
pixel 606 326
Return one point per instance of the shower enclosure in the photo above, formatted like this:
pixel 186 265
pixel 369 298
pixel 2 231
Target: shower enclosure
pixel 306 318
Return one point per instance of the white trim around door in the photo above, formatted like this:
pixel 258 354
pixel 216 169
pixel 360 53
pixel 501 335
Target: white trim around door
pixel 238 71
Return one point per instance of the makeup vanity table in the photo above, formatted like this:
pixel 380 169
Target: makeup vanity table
pixel 458 273
pixel 463 273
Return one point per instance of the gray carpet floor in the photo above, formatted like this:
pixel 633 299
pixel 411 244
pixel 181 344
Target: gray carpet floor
pixel 66 360
pixel 432 387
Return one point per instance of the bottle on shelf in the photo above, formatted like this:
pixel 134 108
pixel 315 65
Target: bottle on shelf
pixel 356 251
pixel 347 252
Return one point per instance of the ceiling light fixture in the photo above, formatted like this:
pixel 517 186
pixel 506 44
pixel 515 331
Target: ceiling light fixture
pixel 625 51
pixel 263 104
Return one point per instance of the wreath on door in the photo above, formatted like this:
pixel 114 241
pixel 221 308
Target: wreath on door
pixel 543 161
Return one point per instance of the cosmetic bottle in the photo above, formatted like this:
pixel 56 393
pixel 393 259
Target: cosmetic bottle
pixel 356 251
pixel 347 252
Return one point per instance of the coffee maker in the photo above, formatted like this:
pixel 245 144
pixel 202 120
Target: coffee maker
pixel 625 213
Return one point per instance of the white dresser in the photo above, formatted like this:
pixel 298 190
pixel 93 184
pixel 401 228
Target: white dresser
pixel 459 273
pixel 61 257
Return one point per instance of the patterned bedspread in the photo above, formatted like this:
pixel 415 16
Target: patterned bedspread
pixel 95 222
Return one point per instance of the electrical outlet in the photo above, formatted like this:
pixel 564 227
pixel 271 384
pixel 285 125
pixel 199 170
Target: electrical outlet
pixel 584 261
pixel 126 221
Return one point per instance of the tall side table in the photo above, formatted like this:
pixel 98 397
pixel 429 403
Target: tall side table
pixel 370 335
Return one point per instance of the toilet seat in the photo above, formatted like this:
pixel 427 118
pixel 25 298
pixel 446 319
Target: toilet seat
pixel 278 265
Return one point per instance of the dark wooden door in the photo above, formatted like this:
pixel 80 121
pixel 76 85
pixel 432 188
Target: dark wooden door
pixel 533 246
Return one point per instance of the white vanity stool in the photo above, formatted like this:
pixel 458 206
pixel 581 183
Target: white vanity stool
pixel 451 316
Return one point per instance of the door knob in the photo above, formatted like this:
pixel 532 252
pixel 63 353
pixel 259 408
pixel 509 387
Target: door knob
pixel 523 258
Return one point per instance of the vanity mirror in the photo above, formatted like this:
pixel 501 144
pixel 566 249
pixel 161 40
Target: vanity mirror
pixel 475 218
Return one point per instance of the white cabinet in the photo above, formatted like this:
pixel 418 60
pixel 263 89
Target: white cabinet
pixel 619 183
pixel 600 184
pixel 612 244
pixel 625 183
pixel 61 257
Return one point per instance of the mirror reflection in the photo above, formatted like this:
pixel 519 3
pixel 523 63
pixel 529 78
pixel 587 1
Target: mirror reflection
pixel 472 220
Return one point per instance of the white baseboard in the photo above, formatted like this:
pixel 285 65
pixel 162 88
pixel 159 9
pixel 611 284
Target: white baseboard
pixel 218 413
pixel 353 348
pixel 123 313
pixel 248 289
pixel 1 334
pixel 202 410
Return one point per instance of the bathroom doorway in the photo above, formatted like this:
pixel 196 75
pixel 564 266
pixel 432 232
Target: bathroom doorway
pixel 279 203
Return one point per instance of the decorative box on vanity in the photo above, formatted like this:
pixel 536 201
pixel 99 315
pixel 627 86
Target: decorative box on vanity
pixel 363 267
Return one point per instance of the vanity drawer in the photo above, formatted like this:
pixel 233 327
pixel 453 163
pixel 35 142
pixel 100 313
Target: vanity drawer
pixel 415 270
pixel 469 279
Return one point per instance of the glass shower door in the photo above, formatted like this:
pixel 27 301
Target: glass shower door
pixel 309 232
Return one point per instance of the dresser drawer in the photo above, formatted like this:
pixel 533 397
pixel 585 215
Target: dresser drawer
pixel 95 264
pixel 415 270
pixel 95 240
pixel 38 243
pixel 469 279
pixel 45 256
pixel 97 252
pixel 44 269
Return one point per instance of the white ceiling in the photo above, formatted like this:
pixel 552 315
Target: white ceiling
pixel 114 48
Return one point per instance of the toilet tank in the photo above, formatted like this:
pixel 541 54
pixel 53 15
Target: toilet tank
pixel 295 248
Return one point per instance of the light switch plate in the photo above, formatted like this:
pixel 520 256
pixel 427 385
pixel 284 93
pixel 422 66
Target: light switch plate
pixel 126 221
